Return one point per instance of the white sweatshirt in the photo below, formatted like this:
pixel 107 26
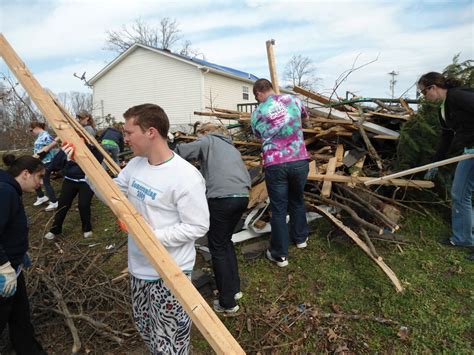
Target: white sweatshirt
pixel 172 199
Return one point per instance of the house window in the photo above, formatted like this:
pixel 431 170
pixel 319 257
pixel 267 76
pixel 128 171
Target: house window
pixel 245 92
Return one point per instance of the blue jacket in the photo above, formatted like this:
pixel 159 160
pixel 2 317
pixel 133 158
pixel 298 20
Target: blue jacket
pixel 13 222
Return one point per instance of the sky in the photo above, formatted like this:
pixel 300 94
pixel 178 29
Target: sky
pixel 57 38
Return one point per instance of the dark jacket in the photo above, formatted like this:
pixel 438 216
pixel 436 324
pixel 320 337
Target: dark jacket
pixel 457 131
pixel 13 222
pixel 113 134
pixel 70 169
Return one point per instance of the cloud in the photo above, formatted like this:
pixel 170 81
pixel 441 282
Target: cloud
pixel 59 38
pixel 63 80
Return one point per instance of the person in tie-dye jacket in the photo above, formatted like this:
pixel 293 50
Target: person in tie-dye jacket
pixel 277 121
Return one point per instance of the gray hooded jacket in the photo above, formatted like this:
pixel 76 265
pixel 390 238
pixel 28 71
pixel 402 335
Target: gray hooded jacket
pixel 221 165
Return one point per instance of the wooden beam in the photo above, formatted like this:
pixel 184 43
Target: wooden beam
pixel 421 184
pixel 327 184
pixel 258 194
pixel 420 168
pixel 321 98
pixel 358 168
pixel 272 66
pixel 202 315
pixel 254 144
pixel 313 170
pixel 339 153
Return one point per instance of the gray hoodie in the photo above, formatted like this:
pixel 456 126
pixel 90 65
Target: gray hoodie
pixel 221 165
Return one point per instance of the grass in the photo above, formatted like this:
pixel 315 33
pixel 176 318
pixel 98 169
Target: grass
pixel 433 315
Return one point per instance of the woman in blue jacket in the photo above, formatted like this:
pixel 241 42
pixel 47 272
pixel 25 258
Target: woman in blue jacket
pixel 24 174
pixel 74 183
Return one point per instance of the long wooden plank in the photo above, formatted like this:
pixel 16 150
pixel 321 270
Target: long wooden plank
pixel 420 168
pixel 202 315
pixel 421 184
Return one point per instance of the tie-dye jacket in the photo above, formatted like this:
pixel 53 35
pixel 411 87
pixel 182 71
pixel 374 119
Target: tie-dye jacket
pixel 277 122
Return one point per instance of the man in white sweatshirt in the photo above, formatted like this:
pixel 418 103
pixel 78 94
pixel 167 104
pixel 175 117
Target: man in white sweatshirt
pixel 171 195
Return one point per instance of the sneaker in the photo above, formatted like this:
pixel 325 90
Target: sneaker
pixel 281 261
pixel 50 236
pixel 51 206
pixel 40 200
pixel 303 244
pixel 219 309
pixel 447 242
pixel 238 296
pixel 87 234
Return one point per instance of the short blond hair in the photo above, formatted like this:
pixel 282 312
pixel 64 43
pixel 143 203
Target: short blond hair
pixel 209 127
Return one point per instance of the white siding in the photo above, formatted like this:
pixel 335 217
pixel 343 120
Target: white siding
pixel 225 92
pixel 148 77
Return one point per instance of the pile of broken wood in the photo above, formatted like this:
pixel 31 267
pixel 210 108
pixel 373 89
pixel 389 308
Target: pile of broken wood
pixel 350 144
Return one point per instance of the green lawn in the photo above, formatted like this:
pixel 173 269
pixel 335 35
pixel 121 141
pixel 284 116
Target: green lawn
pixel 332 297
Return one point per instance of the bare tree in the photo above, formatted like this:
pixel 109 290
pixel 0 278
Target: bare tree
pixel 191 52
pixel 300 71
pixel 16 113
pixel 74 101
pixel 169 31
pixel 164 36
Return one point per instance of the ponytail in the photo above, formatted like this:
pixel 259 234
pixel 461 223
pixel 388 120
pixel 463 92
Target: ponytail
pixel 25 162
pixel 438 79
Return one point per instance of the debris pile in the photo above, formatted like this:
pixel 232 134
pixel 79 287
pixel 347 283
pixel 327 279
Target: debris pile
pixel 351 143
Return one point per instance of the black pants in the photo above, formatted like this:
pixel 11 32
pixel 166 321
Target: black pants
pixel 15 311
pixel 69 190
pixel 225 213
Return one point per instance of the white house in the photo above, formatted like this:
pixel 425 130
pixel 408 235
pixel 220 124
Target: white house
pixel 179 84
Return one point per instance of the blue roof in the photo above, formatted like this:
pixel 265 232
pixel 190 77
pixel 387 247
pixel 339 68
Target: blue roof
pixel 225 69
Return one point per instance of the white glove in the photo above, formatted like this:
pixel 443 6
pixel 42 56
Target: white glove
pixel 7 280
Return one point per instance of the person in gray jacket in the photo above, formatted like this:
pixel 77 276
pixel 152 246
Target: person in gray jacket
pixel 227 191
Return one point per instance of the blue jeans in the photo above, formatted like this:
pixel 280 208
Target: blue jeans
pixel 47 185
pixel 461 195
pixel 113 151
pixel 285 185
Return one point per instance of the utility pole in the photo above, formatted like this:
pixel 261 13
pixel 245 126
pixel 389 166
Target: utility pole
pixel 393 73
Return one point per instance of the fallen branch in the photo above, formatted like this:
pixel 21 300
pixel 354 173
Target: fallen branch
pixel 76 346
pixel 102 327
pixel 391 275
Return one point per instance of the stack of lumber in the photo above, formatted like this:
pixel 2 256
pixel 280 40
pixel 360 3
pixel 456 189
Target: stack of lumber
pixel 350 144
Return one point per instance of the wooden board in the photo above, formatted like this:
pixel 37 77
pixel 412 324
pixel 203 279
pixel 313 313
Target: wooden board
pixel 327 184
pixel 421 184
pixel 202 315
pixel 272 66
